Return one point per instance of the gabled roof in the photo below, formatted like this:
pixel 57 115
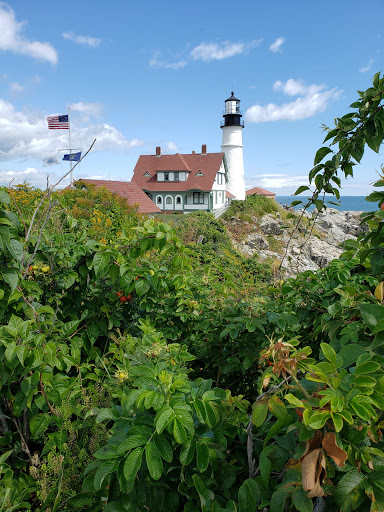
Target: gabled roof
pixel 259 191
pixel 229 194
pixel 208 163
pixel 130 191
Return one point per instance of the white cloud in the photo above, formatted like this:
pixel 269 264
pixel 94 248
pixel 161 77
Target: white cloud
pixel 16 87
pixel 156 62
pixel 93 42
pixel 219 51
pixel 87 110
pixel 276 46
pixel 26 135
pixel 34 177
pixel 367 67
pixel 313 99
pixel 278 181
pixel 206 52
pixel 171 147
pixel 11 38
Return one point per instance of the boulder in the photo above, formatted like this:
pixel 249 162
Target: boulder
pixel 256 241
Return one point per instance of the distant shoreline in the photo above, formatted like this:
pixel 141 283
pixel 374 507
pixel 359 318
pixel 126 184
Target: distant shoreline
pixel 347 203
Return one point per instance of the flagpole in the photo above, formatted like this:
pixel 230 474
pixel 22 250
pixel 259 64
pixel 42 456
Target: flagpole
pixel 70 147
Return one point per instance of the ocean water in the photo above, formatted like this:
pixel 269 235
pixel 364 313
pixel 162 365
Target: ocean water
pixel 347 203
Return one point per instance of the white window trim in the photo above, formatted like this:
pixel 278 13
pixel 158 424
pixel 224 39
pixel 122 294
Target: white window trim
pixel 161 197
pixel 178 204
pixel 168 206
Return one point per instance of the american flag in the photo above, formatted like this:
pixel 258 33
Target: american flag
pixel 58 123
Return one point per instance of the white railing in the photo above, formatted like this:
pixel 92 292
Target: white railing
pixel 219 211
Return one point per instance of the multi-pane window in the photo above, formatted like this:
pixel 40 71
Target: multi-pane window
pixel 198 198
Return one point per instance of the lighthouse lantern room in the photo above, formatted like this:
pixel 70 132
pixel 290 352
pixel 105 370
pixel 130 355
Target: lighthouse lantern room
pixel 232 146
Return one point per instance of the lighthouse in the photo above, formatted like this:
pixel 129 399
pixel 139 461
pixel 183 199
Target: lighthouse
pixel 232 146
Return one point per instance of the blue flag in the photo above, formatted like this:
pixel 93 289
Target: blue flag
pixel 74 157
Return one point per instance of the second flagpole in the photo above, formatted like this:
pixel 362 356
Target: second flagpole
pixel 70 147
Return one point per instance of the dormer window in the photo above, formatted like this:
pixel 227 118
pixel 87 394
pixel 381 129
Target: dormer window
pixel 199 173
pixel 147 174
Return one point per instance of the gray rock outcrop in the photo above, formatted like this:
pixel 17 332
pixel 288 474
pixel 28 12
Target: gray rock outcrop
pixel 308 249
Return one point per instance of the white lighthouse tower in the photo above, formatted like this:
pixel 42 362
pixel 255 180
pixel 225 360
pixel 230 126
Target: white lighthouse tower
pixel 232 146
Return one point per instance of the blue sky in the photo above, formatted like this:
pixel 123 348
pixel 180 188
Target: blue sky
pixel 143 74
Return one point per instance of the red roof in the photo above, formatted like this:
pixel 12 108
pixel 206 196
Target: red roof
pixel 259 191
pixel 130 191
pixel 207 163
pixel 228 194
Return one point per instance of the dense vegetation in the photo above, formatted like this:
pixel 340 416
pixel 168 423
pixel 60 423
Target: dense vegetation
pixel 142 372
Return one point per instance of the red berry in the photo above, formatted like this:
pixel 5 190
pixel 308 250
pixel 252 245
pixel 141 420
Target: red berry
pixel 123 298
pixel 129 297
pixel 119 293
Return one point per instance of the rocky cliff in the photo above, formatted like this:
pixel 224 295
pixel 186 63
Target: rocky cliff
pixel 311 246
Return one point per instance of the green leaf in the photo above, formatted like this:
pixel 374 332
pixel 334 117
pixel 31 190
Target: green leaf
pixel 100 263
pixel 164 419
pixel 259 413
pixel 365 380
pixel 293 400
pixel 154 462
pixel 277 407
pixel 328 352
pixel 202 456
pixel 4 197
pixel 201 489
pixel 349 491
pixel 164 447
pixel 371 314
pixel 132 464
pixel 104 470
pixel 142 287
pixel 249 496
pixel 11 277
pixel 278 501
pixel 132 441
pixel 265 468
pixel 318 419
pixel 367 367
pixel 187 452
pixel 81 500
pixel 301 500
pixel 301 189
pixel 16 250
pixel 320 154
pixel 179 432
pixel 364 411
pixel 39 425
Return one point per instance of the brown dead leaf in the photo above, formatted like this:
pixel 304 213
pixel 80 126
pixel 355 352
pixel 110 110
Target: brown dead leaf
pixel 312 444
pixel 329 444
pixel 266 381
pixel 370 465
pixel 379 291
pixel 313 473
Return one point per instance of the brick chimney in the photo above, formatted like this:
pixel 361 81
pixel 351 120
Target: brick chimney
pixel 203 149
pixel 193 152
pixel 158 151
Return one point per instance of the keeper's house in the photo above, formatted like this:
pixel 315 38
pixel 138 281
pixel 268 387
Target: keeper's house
pixel 184 183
